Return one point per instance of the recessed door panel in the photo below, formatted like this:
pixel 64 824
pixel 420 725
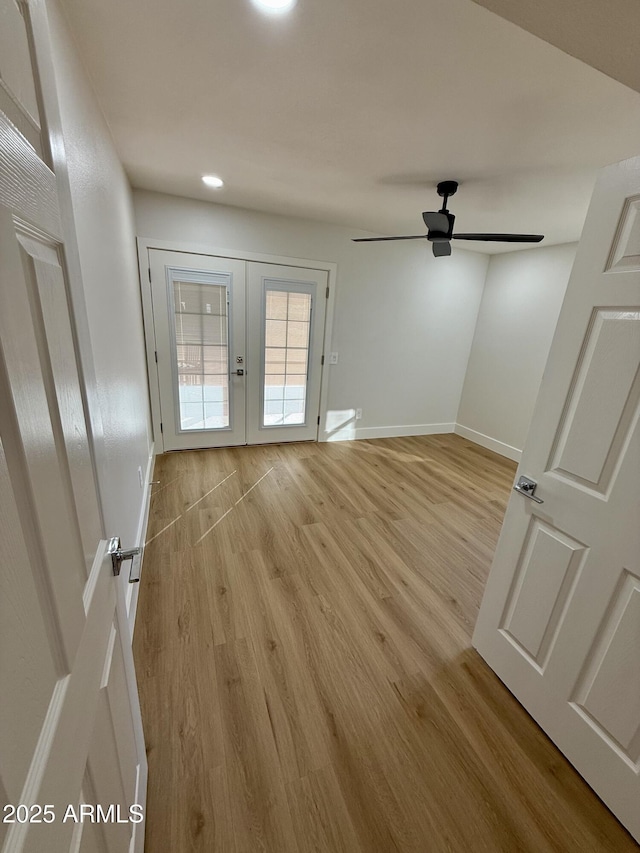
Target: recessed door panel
pixel 603 401
pixel 22 627
pixel 542 586
pixel 625 252
pixel 609 689
pixel 16 69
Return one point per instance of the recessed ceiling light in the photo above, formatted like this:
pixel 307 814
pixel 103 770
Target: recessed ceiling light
pixel 274 7
pixel 212 181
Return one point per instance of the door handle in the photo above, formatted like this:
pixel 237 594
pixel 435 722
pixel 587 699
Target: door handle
pixel 238 372
pixel 527 487
pixel 118 556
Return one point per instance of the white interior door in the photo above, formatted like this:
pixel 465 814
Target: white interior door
pixel 560 618
pixel 285 330
pixel 238 346
pixel 70 727
pixel 199 320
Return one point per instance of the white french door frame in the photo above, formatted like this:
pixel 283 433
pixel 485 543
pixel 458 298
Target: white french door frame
pixel 145 245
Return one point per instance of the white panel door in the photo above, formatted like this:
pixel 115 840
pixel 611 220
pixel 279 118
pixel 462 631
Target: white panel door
pixel 285 330
pixel 199 319
pixel 70 727
pixel 560 618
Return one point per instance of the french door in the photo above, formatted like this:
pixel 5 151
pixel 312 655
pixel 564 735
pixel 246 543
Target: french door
pixel 239 349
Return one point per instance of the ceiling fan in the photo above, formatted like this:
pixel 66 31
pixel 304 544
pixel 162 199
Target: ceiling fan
pixel 440 228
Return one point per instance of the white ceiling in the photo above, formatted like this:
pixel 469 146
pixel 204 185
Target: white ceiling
pixel 604 35
pixel 349 111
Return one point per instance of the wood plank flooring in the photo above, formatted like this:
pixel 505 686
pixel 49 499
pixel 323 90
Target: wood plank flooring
pixel 303 656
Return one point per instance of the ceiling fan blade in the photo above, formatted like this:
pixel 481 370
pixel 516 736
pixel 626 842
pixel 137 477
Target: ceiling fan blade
pixel 441 249
pixel 436 221
pixel 501 238
pixel 378 239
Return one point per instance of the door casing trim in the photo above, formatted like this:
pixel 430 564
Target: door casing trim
pixel 145 244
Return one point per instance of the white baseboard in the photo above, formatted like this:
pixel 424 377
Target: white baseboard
pixel 134 588
pixel 347 431
pixel 488 442
pixel 400 431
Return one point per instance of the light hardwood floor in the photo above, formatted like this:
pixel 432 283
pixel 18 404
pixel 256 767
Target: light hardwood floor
pixel 303 656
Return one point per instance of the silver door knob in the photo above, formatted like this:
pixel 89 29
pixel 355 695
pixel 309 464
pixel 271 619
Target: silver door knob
pixel 238 372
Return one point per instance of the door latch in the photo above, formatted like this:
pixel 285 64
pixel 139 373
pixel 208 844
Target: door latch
pixel 118 556
pixel 527 488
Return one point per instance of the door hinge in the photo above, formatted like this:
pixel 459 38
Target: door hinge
pixel 156 355
pixel 149 275
pixel 326 295
pixel 318 420
pixel 322 360
pixel 161 430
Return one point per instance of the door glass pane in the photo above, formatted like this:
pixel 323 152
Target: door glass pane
pixel 201 322
pixel 286 355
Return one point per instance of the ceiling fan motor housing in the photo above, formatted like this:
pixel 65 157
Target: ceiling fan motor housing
pixel 442 236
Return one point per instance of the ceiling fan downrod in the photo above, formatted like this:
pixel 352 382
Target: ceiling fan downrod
pixel 446 189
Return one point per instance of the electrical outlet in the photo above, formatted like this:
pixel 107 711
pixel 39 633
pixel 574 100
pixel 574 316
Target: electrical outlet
pixel 140 477
pixel 358 414
pixel 333 358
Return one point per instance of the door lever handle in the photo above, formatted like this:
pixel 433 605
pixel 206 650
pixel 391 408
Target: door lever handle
pixel 527 487
pixel 119 555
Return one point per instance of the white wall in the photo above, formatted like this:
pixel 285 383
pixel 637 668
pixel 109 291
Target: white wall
pixel 403 323
pixel 520 306
pixel 103 219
